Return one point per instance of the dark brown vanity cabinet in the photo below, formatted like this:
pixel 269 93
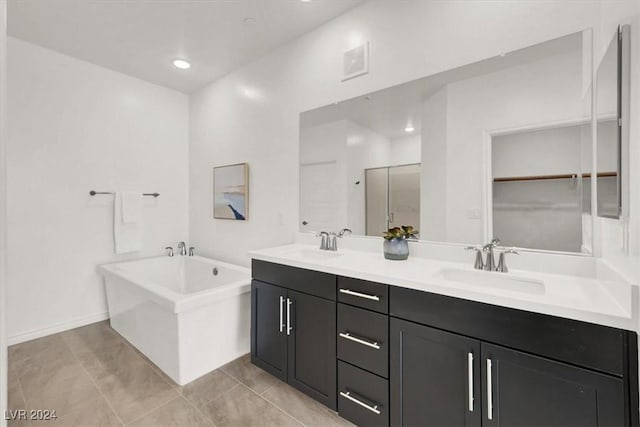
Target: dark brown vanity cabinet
pixel 444 379
pixel 435 377
pixel 385 355
pixel 522 390
pixel 293 333
pixel 470 369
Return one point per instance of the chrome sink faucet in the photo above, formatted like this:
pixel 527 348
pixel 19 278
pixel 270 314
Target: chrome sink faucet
pixel 479 264
pixel 490 264
pixel 502 262
pixel 329 241
pixel 182 246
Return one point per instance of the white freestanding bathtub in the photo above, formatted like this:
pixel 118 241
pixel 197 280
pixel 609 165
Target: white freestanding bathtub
pixel 188 314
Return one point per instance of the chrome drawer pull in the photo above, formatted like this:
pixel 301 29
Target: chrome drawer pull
pixel 373 409
pixel 348 336
pixel 361 295
pixel 289 328
pixel 489 391
pixel 281 317
pixel 470 379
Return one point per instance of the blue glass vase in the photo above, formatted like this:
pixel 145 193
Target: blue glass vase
pixel 396 249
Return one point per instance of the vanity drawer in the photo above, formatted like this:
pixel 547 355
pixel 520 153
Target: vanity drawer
pixel 365 294
pixel 363 339
pixel 311 282
pixel 363 398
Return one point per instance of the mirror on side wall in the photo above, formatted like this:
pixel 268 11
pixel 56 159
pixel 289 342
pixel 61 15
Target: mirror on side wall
pixel 498 148
pixel 611 116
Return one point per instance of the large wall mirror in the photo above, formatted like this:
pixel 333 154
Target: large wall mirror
pixel 499 148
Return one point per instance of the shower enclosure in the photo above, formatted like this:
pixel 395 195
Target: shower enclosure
pixel 392 198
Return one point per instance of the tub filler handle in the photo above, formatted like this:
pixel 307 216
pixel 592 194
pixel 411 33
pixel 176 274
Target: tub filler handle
pixel 289 328
pixel 281 313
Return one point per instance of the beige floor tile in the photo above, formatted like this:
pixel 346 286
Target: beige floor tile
pixel 63 395
pixel 302 407
pixel 100 364
pixel 33 348
pixel 43 361
pixel 89 413
pixel 206 388
pixel 242 407
pixel 134 389
pixel 95 338
pixel 250 375
pixel 176 413
pixel 31 357
pixel 16 401
pixel 92 376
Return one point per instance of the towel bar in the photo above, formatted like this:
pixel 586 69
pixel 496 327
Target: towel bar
pixel 94 192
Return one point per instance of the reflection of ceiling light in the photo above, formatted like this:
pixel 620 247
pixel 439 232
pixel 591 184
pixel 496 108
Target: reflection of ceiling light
pixel 182 64
pixel 249 20
pixel 409 129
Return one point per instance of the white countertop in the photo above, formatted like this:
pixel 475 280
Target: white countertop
pixel 604 300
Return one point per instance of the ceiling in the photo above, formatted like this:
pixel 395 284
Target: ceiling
pixel 141 38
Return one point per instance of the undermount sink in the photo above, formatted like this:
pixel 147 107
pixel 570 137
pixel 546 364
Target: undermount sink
pixel 313 254
pixel 494 280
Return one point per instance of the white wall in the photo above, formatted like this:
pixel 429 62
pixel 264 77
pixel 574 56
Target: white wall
pixel 74 127
pixel 365 149
pixel 323 205
pixel 3 215
pixel 433 176
pixel 228 125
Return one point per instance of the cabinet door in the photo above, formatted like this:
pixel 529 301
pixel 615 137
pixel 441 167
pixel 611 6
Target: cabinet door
pixel 268 328
pixel 520 389
pixel 435 377
pixel 312 347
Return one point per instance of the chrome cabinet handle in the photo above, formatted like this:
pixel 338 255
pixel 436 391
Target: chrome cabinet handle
pixel 350 337
pixel 489 391
pixel 289 328
pixel 361 295
pixel 373 408
pixel 281 313
pixel 470 379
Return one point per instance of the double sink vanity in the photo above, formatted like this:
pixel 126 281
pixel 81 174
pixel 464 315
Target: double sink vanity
pixel 433 341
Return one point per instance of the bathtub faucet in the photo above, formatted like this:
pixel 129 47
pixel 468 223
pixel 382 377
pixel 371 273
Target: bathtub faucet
pixel 182 246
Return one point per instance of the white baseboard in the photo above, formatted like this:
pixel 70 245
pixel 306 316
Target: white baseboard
pixel 59 327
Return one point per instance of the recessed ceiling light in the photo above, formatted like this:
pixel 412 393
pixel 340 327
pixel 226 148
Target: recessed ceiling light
pixel 409 129
pixel 249 20
pixel 305 1
pixel 182 64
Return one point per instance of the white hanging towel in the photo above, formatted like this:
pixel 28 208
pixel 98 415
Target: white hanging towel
pixel 127 222
pixel 131 207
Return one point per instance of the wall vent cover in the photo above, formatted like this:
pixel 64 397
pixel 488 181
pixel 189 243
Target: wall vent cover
pixel 356 62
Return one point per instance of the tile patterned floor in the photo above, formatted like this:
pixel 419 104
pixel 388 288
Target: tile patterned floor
pixel 92 376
